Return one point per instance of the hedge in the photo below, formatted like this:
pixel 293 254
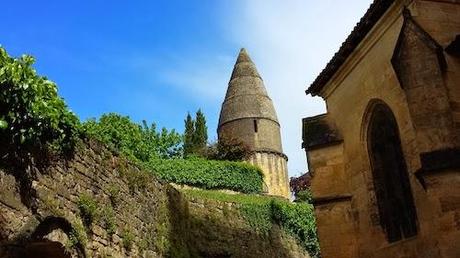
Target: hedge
pixel 209 174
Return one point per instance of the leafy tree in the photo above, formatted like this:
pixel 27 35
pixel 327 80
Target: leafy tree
pixel 228 149
pixel 299 184
pixel 32 115
pixel 200 137
pixel 138 142
pixel 195 135
pixel 189 135
pixel 304 196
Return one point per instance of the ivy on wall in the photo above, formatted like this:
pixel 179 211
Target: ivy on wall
pixel 260 212
pixel 209 174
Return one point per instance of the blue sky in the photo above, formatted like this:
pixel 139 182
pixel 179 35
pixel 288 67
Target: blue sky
pixel 157 60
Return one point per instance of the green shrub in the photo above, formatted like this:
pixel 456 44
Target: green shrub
pixel 32 115
pixel 209 174
pixel 138 142
pixel 88 209
pixel 258 216
pixel 127 239
pixel 298 219
pixel 260 212
pixel 304 196
pixel 108 218
pixel 137 180
pixel 114 194
pixel 77 236
pixel 228 149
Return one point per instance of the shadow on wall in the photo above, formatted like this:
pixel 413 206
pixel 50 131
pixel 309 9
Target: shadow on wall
pixel 48 240
pixel 161 221
pixel 206 230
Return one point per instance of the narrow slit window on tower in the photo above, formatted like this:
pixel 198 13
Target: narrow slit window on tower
pixel 256 129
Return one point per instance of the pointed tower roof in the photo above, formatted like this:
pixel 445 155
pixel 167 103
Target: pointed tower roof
pixel 244 66
pixel 246 94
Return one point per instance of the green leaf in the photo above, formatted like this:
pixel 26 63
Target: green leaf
pixel 3 124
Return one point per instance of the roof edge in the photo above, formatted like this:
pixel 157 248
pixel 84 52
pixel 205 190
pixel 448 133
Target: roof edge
pixel 376 10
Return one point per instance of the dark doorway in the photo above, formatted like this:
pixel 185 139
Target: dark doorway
pixel 397 213
pixel 46 249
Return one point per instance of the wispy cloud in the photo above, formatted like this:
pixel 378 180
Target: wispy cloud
pixel 204 77
pixel 290 42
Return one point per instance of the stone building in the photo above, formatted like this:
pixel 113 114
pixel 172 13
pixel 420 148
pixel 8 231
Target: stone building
pixel 385 158
pixel 248 115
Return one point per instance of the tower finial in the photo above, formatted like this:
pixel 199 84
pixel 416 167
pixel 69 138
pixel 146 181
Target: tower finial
pixel 243 56
pixel 244 66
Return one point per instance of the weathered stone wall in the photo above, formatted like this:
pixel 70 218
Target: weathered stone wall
pixel 422 101
pixel 274 167
pixel 214 228
pixel 134 202
pixel 135 215
pixel 268 135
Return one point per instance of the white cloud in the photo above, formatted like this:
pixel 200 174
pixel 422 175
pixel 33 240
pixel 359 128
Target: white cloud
pixel 203 77
pixel 291 42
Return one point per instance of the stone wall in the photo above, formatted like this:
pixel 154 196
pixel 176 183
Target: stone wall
pixel 422 94
pixel 42 214
pixel 131 208
pixel 213 228
pixel 274 167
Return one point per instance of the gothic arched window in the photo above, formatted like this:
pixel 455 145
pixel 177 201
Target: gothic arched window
pixel 396 207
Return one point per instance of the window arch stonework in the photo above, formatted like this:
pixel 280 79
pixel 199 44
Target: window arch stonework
pixel 390 180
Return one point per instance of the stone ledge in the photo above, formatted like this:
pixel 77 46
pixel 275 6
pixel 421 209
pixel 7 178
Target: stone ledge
pixel 436 162
pixel 318 133
pixel 331 199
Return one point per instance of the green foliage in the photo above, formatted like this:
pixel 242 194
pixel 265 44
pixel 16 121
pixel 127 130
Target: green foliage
pixel 108 218
pixel 209 174
pixel 77 236
pixel 200 137
pixel 127 239
pixel 258 216
pixel 32 115
pixel 161 239
pixel 137 180
pixel 114 194
pixel 228 149
pixel 195 135
pixel 297 219
pixel 137 142
pixel 52 206
pixel 88 209
pixel 188 135
pixel 304 196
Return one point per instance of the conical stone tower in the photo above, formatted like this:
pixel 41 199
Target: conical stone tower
pixel 248 115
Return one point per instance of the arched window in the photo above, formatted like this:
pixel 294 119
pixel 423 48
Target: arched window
pixel 396 207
